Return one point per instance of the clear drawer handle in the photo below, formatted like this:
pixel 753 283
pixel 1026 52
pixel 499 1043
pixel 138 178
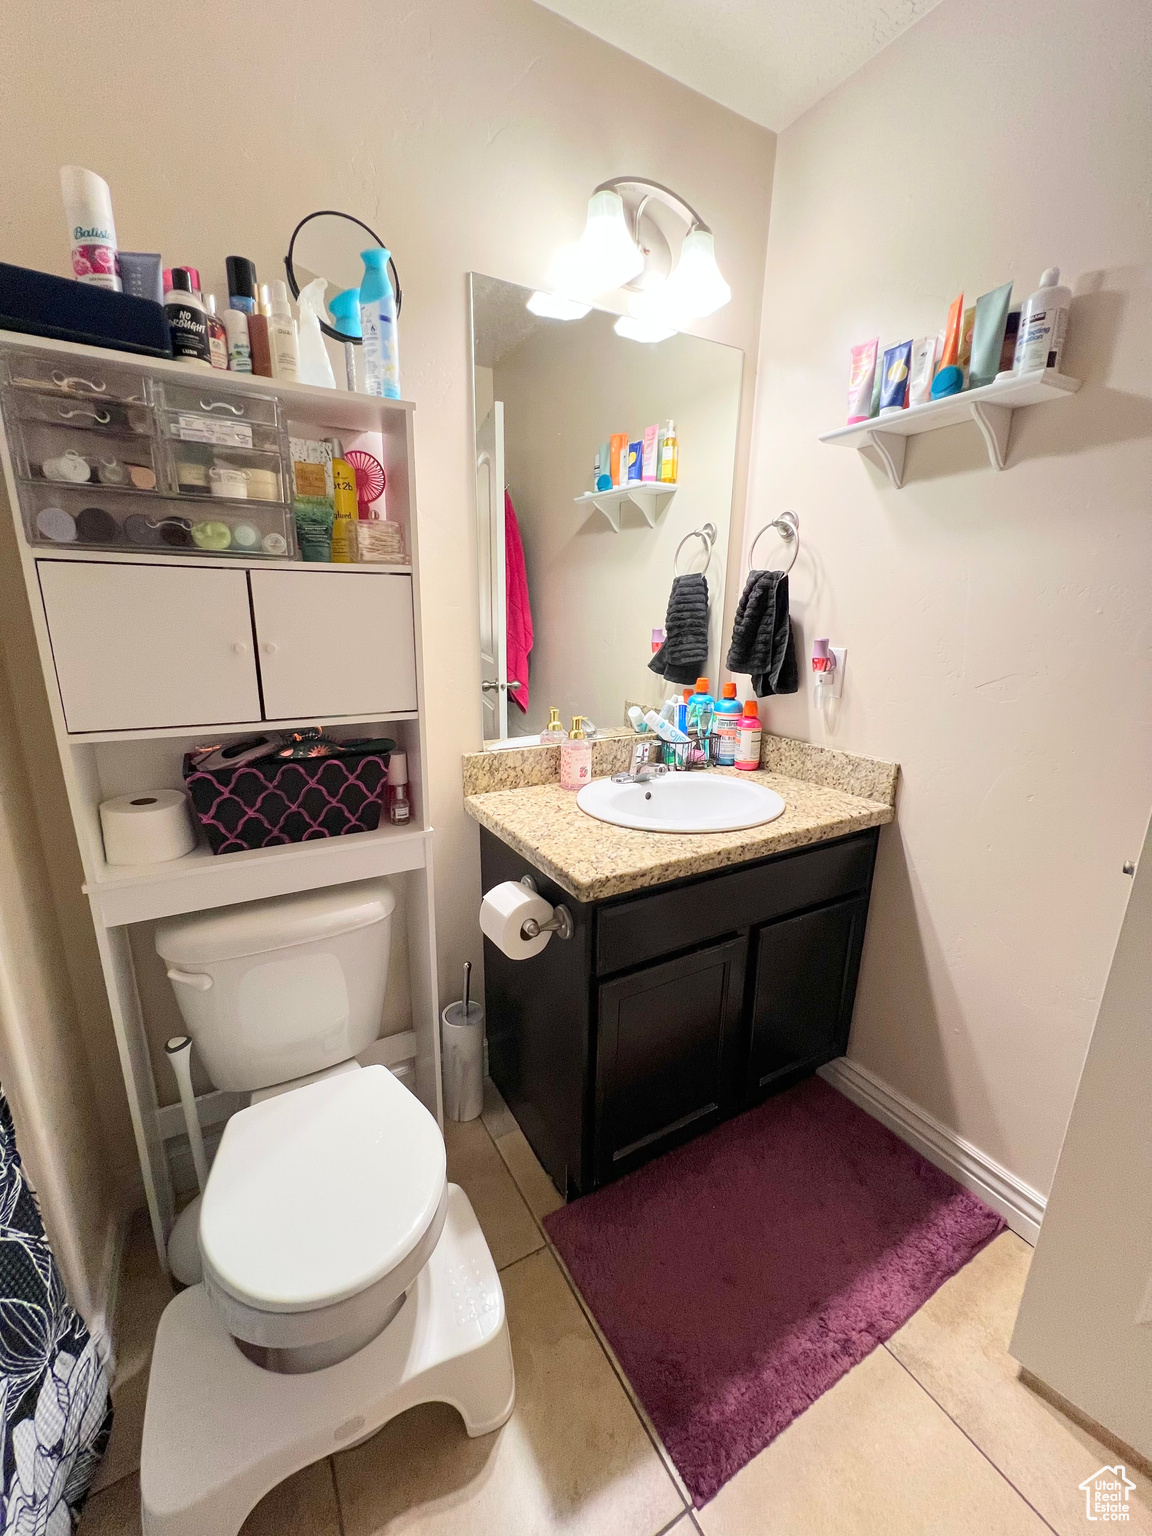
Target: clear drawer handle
pixel 269 647
pixel 240 648
pixel 221 405
pixel 195 979
pixel 74 381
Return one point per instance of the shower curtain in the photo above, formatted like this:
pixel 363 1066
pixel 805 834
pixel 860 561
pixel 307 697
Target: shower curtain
pixel 55 1412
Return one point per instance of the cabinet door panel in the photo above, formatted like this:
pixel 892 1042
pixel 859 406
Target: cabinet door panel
pixel 146 646
pixel 334 643
pixel 806 970
pixel 663 1043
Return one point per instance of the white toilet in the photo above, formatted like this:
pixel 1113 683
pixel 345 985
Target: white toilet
pixel 344 1278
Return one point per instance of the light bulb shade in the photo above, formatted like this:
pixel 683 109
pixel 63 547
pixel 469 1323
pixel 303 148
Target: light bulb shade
pixel 696 288
pixel 552 306
pixel 649 330
pixel 605 256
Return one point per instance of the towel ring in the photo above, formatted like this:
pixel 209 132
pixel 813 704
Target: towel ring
pixel 707 534
pixel 787 525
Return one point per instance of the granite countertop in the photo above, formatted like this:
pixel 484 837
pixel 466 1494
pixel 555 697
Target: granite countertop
pixel 827 794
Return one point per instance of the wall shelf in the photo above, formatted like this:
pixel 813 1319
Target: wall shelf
pixel 990 408
pixel 649 497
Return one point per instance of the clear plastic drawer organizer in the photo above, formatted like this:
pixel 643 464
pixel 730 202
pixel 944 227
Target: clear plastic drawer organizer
pixel 107 458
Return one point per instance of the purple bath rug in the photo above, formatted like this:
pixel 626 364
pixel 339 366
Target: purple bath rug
pixel 740 1276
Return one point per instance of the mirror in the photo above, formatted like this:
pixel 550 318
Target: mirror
pixel 547 394
pixel 328 244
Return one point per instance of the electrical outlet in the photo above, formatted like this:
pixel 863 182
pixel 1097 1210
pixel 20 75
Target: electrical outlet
pixel 841 654
pixel 830 685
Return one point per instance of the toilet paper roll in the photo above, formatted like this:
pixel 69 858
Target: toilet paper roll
pixel 150 827
pixel 504 911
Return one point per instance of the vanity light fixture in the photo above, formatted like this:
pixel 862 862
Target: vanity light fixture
pixel 623 246
pixel 551 306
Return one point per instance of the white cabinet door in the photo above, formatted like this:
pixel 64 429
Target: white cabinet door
pixel 334 642
pixel 140 646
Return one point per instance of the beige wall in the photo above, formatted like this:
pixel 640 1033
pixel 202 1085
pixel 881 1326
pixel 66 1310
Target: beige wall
pixel 1094 1258
pixel 43 1066
pixel 997 624
pixel 470 136
pixel 597 594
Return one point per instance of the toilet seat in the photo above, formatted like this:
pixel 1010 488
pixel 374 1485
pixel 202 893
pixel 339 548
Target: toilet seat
pixel 322 1207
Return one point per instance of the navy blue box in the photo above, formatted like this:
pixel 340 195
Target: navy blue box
pixel 40 304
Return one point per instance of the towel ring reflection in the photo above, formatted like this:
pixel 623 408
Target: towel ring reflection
pixel 787 525
pixel 707 534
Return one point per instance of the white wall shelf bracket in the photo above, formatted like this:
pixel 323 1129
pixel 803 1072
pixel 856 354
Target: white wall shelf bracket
pixel 891 447
pixel 649 499
pixel 995 423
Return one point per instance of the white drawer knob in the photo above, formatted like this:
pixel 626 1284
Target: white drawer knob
pixel 240 648
pixel 269 647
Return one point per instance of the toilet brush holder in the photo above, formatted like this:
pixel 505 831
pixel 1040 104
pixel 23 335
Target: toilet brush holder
pixel 462 1059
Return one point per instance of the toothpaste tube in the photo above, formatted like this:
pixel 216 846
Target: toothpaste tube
pixel 664 729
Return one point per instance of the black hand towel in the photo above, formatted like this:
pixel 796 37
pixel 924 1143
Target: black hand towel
pixel 762 642
pixel 684 654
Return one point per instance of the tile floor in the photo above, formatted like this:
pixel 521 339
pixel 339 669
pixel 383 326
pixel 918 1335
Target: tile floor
pixel 933 1433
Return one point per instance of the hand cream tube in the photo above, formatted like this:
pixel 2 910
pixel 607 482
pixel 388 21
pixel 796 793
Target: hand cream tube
pixel 894 379
pixel 952 333
pixel 923 369
pixel 860 378
pixel 988 335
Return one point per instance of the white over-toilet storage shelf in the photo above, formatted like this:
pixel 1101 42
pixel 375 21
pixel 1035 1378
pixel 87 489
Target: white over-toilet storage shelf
pixel 145 654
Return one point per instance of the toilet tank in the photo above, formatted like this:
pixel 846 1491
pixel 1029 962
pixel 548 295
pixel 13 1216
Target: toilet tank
pixel 273 990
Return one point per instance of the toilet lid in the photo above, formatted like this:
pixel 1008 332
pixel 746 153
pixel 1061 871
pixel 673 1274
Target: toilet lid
pixel 317 1194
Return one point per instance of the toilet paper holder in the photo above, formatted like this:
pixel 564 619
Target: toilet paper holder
pixel 560 923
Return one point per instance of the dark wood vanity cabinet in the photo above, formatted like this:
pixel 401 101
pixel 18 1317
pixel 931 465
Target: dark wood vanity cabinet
pixel 671 1008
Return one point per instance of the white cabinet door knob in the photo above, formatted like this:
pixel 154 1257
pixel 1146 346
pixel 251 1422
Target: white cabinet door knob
pixel 240 648
pixel 269 647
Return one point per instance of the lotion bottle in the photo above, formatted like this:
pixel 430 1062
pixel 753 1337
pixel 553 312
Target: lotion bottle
pixel 669 455
pixel 282 333
pixel 187 319
pixel 1043 325
pixel 575 757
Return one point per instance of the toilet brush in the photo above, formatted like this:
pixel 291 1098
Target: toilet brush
pixel 184 1240
pixel 179 1050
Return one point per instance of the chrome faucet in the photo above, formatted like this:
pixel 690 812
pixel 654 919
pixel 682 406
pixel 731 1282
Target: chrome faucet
pixel 641 770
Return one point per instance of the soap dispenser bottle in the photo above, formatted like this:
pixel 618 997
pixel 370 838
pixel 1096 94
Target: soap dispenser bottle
pixel 553 733
pixel 575 757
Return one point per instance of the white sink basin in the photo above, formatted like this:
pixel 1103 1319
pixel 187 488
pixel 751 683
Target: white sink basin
pixel 682 802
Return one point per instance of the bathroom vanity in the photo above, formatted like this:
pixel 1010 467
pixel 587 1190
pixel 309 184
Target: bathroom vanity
pixel 702 974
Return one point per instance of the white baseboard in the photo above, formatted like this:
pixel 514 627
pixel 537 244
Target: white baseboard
pixel 1021 1206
